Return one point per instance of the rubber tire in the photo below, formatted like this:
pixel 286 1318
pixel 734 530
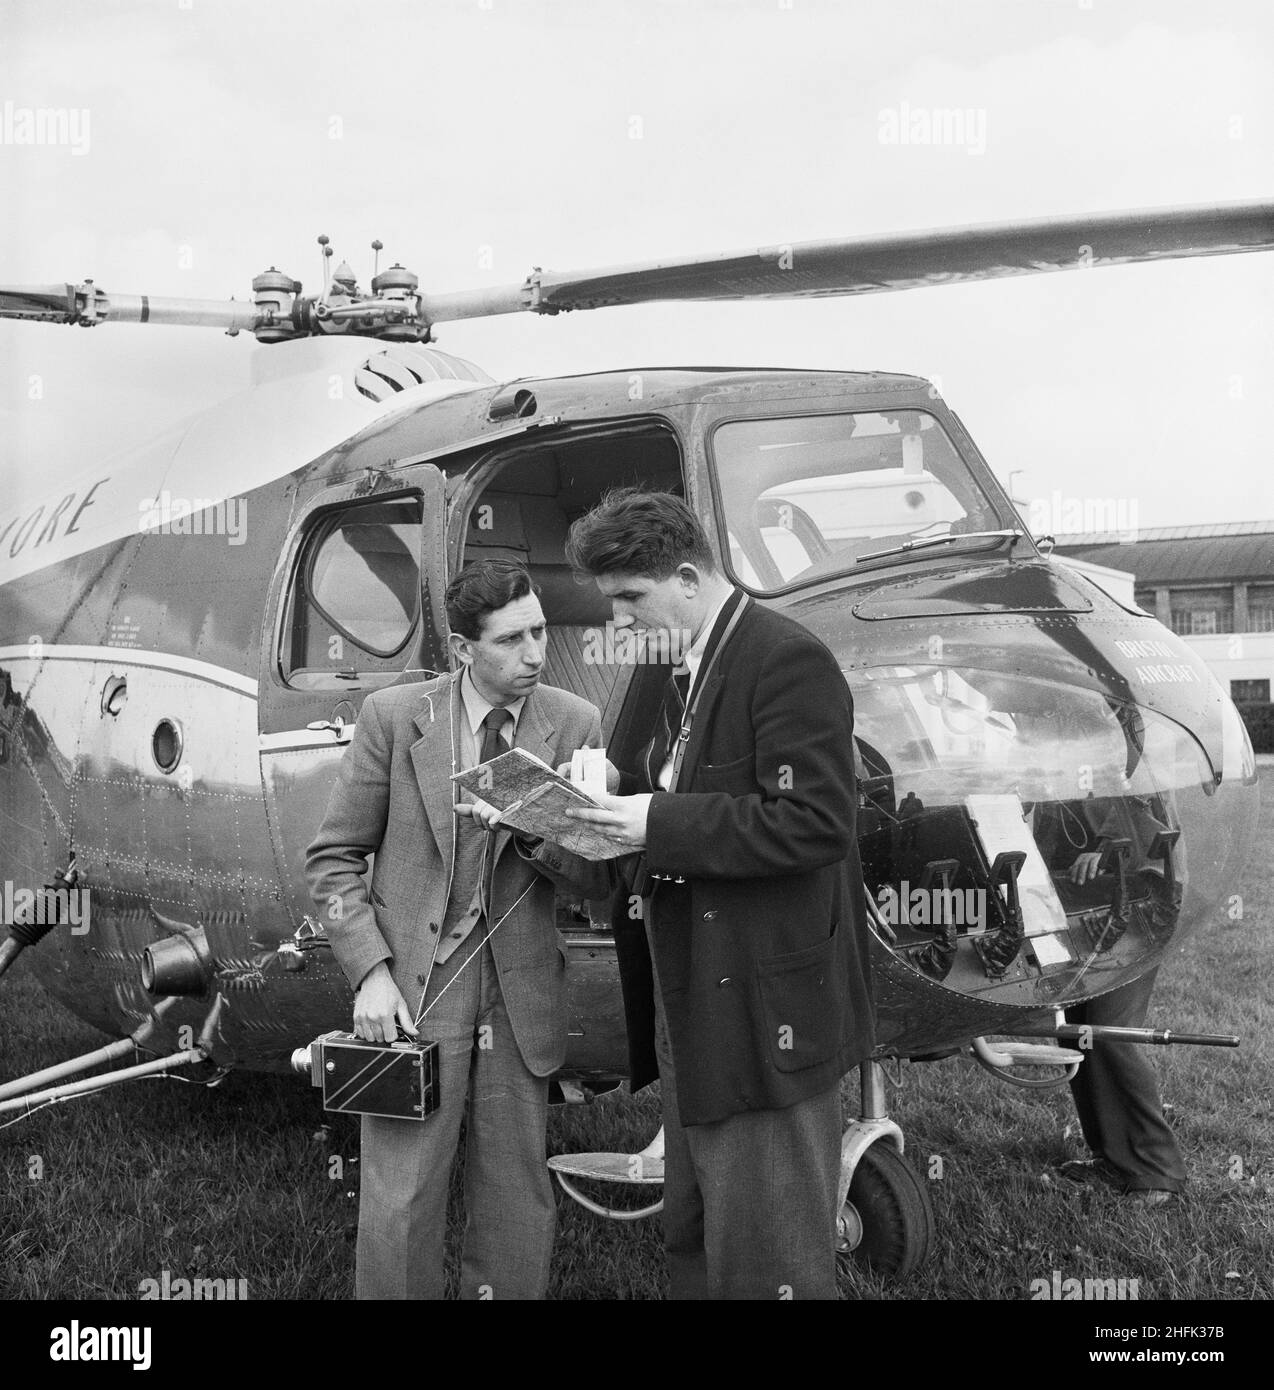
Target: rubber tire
pixel 893 1205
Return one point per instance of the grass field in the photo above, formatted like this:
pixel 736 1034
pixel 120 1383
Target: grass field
pixel 249 1181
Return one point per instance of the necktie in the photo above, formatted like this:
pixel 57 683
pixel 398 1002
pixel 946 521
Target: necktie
pixel 493 744
pixel 671 712
pixel 493 741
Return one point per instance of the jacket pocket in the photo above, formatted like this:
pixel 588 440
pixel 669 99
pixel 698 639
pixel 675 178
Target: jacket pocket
pixel 737 776
pixel 803 995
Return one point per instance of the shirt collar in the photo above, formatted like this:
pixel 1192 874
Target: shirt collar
pixel 695 655
pixel 477 707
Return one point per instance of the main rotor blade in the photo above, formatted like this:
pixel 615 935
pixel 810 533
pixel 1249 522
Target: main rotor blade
pixel 87 304
pixel 42 303
pixel 897 261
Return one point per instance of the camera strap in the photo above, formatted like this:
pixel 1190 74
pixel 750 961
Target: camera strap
pixel 422 1011
pixel 454 712
pixel 701 682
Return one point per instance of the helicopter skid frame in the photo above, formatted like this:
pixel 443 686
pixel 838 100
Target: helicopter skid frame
pixel 158 1067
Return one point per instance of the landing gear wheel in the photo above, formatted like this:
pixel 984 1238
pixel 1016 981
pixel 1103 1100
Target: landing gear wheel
pixel 888 1211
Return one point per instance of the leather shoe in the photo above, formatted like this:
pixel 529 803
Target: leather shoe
pixel 1149 1196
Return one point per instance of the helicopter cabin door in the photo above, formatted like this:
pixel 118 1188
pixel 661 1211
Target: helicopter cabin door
pixel 356 604
pixel 520 502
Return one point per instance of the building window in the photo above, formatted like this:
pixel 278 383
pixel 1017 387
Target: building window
pixel 1260 607
pixel 1197 622
pixel 1250 692
pixel 1201 612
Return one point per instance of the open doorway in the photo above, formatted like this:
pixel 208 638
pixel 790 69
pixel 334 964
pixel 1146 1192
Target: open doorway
pixel 523 506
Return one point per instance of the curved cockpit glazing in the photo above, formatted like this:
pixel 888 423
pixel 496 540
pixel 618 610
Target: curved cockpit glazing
pixel 1032 843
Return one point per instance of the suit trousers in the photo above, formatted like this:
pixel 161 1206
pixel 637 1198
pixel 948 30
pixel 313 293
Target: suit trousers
pixel 1117 1095
pixel 749 1201
pixel 406 1165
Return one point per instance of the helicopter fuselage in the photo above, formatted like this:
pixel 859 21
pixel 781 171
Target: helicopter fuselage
pixel 178 683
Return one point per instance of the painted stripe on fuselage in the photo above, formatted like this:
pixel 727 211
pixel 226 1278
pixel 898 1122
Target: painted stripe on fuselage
pixel 284 739
pixel 133 656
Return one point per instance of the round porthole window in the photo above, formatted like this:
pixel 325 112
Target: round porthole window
pixel 165 745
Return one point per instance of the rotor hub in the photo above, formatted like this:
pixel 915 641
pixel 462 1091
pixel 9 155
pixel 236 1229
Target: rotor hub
pixel 274 293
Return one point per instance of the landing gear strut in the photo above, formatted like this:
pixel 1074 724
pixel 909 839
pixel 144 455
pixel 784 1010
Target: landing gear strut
pixel 886 1221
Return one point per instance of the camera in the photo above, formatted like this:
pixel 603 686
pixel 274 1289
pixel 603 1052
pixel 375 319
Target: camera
pixel 397 1080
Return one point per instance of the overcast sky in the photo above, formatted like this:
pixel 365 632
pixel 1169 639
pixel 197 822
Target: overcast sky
pixel 477 138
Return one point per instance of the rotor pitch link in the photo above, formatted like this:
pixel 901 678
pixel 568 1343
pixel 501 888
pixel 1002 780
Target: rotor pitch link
pixel 388 309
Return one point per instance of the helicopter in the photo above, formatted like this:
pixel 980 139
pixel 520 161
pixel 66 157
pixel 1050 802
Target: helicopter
pixel 189 630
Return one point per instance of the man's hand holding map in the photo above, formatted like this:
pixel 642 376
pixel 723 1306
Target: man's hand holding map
pixel 533 799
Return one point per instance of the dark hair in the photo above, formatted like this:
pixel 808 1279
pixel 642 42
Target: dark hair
pixel 482 587
pixel 632 531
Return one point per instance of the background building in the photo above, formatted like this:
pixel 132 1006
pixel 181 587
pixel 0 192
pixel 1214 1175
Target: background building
pixel 1212 585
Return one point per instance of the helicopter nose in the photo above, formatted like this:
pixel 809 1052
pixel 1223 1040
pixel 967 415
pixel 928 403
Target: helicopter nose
pixel 1096 829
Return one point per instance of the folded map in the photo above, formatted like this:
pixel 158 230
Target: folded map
pixel 533 799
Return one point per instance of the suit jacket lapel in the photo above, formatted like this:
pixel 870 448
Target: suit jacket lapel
pixel 431 756
pixel 535 733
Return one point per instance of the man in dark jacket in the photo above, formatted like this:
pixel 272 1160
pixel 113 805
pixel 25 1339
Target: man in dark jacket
pixel 748 904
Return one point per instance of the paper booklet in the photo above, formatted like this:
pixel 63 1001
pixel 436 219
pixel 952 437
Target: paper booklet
pixel 533 799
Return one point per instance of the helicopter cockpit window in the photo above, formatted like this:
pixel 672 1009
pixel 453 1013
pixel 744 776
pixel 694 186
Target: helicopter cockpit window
pixel 805 497
pixel 1023 839
pixel 355 600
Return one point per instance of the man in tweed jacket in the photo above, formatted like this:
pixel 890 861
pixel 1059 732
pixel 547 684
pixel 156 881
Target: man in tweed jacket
pixel 457 927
